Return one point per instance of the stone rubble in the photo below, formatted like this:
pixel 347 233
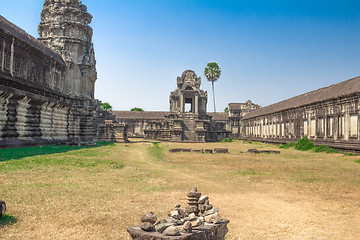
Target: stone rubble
pixel 148 221
pixel 196 214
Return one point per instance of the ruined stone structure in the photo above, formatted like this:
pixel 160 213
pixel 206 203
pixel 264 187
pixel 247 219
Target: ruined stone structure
pixel 109 129
pixel 47 85
pixel 137 122
pixel 236 112
pixel 327 116
pixel 188 120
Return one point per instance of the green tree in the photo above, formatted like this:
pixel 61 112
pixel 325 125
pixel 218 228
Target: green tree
pixel 136 109
pixel 226 109
pixel 212 73
pixel 106 106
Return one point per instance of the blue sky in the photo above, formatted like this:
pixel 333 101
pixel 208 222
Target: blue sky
pixel 269 50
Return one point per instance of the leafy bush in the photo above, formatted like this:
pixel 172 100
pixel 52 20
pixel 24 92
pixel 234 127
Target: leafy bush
pixel 288 145
pixel 304 144
pixel 226 140
pixel 323 148
pixel 106 106
pixel 136 109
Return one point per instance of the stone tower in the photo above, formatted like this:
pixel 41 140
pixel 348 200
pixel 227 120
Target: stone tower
pixel 64 27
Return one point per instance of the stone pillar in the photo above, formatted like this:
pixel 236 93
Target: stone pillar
pixel 196 103
pixel 181 103
pixel 346 126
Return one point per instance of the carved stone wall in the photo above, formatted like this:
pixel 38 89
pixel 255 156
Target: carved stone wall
pixel 64 27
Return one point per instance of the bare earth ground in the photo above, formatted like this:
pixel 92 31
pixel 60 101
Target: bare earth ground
pixel 97 193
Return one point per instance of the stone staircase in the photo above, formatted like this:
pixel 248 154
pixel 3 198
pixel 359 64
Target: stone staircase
pixel 189 129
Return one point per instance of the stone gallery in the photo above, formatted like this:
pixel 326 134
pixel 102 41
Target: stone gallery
pixel 327 116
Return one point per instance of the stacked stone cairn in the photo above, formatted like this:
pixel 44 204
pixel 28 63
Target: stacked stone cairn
pixel 2 208
pixel 196 214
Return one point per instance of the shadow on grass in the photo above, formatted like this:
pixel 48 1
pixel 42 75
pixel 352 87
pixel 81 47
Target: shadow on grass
pixel 7 220
pixel 17 153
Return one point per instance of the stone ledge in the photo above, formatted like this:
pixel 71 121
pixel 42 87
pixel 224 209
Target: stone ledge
pixel 210 232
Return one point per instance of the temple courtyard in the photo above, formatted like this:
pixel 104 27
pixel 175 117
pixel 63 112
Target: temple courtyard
pixel 97 192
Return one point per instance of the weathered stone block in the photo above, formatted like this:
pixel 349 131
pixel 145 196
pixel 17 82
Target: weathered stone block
pixel 198 150
pixel 270 151
pixel 254 151
pixel 221 150
pixel 187 150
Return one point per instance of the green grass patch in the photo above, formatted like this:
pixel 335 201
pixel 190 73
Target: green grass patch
pixel 7 220
pixel 226 140
pixel 324 148
pixel 248 172
pixel 18 153
pixel 156 151
pixel 83 158
pixel 350 154
pixel 288 145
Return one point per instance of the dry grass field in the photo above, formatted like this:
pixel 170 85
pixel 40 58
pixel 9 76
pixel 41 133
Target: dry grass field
pixel 96 193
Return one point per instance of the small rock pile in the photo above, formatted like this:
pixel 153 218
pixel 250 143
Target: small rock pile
pixel 148 222
pixel 2 208
pixel 196 214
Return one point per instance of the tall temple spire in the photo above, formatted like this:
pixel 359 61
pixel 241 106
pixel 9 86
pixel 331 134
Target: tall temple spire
pixel 64 27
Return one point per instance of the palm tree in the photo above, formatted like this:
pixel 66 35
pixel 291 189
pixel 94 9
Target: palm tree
pixel 212 73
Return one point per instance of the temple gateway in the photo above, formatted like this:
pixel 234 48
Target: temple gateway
pixel 187 120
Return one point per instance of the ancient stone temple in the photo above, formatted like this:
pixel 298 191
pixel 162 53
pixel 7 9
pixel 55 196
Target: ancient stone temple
pixel 187 120
pixel 47 85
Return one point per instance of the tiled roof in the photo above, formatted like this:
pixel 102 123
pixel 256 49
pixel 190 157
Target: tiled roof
pixel 346 88
pixel 223 116
pixel 20 34
pixel 160 115
pixel 236 105
pixel 140 115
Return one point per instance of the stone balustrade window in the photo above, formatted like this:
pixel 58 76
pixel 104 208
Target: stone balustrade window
pixel 330 126
pixel 321 126
pixel 312 127
pixel 341 126
pixel 354 125
pixel 306 127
